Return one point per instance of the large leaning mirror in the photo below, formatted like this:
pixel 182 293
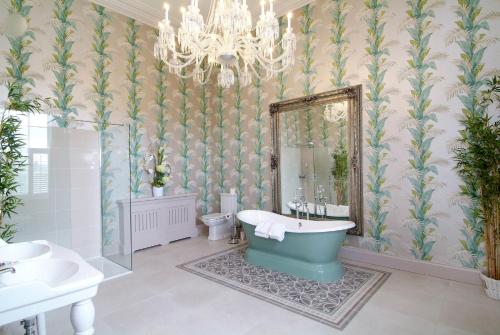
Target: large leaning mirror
pixel 316 158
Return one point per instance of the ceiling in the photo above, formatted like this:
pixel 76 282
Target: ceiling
pixel 151 11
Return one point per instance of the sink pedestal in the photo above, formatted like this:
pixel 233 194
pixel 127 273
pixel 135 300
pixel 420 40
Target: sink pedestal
pixel 82 317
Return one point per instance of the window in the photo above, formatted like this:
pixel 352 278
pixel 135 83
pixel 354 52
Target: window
pixel 40 173
pixel 34 179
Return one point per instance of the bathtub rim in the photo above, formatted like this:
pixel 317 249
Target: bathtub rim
pixel 292 224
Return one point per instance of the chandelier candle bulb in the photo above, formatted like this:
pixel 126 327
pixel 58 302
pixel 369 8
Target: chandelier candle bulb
pixel 166 7
pixel 289 16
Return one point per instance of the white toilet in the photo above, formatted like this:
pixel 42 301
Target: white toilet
pixel 220 224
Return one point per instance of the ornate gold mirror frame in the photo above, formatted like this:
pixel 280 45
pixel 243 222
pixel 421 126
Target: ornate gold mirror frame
pixel 353 96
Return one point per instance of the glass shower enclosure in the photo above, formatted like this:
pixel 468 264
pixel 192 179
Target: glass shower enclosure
pixel 71 188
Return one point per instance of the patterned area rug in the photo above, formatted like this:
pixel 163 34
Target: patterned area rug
pixel 334 304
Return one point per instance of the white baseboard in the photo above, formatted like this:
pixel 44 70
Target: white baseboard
pixel 462 275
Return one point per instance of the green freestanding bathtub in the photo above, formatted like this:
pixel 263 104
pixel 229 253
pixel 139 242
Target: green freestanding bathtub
pixel 309 249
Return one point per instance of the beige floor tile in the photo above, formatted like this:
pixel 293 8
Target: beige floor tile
pixel 161 299
pixel 471 316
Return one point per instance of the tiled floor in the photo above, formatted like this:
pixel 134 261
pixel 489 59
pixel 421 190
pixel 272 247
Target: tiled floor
pixel 160 299
pixel 110 269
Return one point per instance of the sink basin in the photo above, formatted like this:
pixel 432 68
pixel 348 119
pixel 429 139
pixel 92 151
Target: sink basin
pixel 24 251
pixel 49 271
pixel 47 277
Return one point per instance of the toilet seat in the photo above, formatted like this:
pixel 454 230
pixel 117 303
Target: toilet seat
pixel 213 217
pixel 218 225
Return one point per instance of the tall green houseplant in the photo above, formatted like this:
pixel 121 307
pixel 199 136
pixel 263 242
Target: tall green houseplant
pixel 478 161
pixel 12 160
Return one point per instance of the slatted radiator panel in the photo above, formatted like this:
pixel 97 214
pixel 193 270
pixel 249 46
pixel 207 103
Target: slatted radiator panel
pixel 156 221
pixel 178 216
pixel 145 221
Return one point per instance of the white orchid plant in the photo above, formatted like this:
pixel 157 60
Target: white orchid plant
pixel 157 167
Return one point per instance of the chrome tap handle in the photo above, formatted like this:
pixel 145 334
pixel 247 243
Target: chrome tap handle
pixel 306 208
pixel 299 200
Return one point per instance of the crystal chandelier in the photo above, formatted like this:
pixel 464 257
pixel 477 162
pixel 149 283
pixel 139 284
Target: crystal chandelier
pixel 227 41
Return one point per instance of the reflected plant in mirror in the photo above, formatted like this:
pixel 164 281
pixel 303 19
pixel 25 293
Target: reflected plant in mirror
pixel 340 174
pixel 337 113
pixel 318 176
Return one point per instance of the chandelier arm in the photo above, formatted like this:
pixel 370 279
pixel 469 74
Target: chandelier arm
pixel 254 40
pixel 188 58
pixel 204 48
pixel 268 65
pixel 207 77
pixel 190 75
pixel 253 70
pixel 263 59
pixel 260 55
pixel 179 66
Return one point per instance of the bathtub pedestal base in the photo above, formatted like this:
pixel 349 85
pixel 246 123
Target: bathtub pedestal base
pixel 323 272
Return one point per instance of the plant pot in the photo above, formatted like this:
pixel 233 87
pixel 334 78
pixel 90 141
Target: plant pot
pixel 492 287
pixel 157 192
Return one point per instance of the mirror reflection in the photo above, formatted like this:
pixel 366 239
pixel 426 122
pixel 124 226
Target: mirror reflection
pixel 314 156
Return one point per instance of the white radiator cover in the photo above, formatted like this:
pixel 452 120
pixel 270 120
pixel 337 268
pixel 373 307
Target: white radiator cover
pixel 157 221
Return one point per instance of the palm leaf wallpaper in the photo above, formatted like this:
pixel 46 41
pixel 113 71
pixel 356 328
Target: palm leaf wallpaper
pixel 161 102
pixel 378 147
pixel 184 124
pixel 220 124
pixel 161 105
pixel 422 67
pixel 340 42
pixel 19 54
pixel 239 148
pixel 220 139
pixel 102 102
pixel 65 70
pixel 134 108
pixel 205 163
pixel 307 61
pixel 471 28
pixel 258 164
pixel 281 81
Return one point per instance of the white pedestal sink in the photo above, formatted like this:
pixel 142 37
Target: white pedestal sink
pixel 24 251
pixel 45 283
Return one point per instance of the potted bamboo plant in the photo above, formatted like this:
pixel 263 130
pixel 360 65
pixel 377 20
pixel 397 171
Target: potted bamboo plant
pixel 12 161
pixel 478 163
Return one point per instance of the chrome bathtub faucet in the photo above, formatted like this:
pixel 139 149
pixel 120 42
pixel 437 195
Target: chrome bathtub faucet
pixel 322 202
pixel 305 207
pixel 297 208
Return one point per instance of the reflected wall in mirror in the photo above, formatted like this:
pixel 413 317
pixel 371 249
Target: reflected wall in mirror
pixel 315 161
